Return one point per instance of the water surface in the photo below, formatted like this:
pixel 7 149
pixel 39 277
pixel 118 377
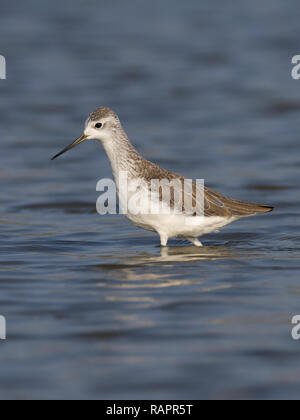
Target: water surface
pixel 94 308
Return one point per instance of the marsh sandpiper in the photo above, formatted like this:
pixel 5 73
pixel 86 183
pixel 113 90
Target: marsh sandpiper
pixel 216 212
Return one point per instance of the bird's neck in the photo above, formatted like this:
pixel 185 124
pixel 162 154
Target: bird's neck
pixel 121 154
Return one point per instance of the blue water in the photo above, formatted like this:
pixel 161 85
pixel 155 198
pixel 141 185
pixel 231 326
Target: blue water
pixel 94 308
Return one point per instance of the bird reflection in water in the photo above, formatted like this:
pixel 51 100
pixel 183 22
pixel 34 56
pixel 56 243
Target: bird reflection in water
pixel 143 271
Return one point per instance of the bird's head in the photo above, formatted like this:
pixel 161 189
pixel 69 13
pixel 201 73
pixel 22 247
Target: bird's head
pixel 101 125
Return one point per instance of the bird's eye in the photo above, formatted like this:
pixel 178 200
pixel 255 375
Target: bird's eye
pixel 98 125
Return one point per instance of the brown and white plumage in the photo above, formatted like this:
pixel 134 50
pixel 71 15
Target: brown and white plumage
pixel 212 212
pixel 215 204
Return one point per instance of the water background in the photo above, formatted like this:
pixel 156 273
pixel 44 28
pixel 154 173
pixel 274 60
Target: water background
pixel 94 308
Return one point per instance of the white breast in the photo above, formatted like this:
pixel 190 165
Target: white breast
pixel 139 210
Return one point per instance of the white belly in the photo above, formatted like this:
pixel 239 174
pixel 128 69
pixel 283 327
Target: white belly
pixel 179 226
pixel 168 224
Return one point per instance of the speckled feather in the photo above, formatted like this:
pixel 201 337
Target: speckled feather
pixel 215 204
pixel 102 113
pixel 192 218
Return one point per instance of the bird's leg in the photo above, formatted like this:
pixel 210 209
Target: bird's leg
pixel 195 241
pixel 163 239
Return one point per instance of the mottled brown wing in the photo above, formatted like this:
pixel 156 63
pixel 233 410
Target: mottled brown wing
pixel 218 205
pixel 215 204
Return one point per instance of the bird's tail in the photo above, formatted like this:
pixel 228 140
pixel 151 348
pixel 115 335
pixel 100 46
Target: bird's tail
pixel 244 208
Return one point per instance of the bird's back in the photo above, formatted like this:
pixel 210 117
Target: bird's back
pixel 215 204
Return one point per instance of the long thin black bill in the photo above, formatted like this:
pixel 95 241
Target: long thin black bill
pixel 71 146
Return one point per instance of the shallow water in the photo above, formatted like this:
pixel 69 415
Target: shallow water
pixel 94 308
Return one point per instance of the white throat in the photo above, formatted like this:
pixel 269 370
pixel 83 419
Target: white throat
pixel 121 153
